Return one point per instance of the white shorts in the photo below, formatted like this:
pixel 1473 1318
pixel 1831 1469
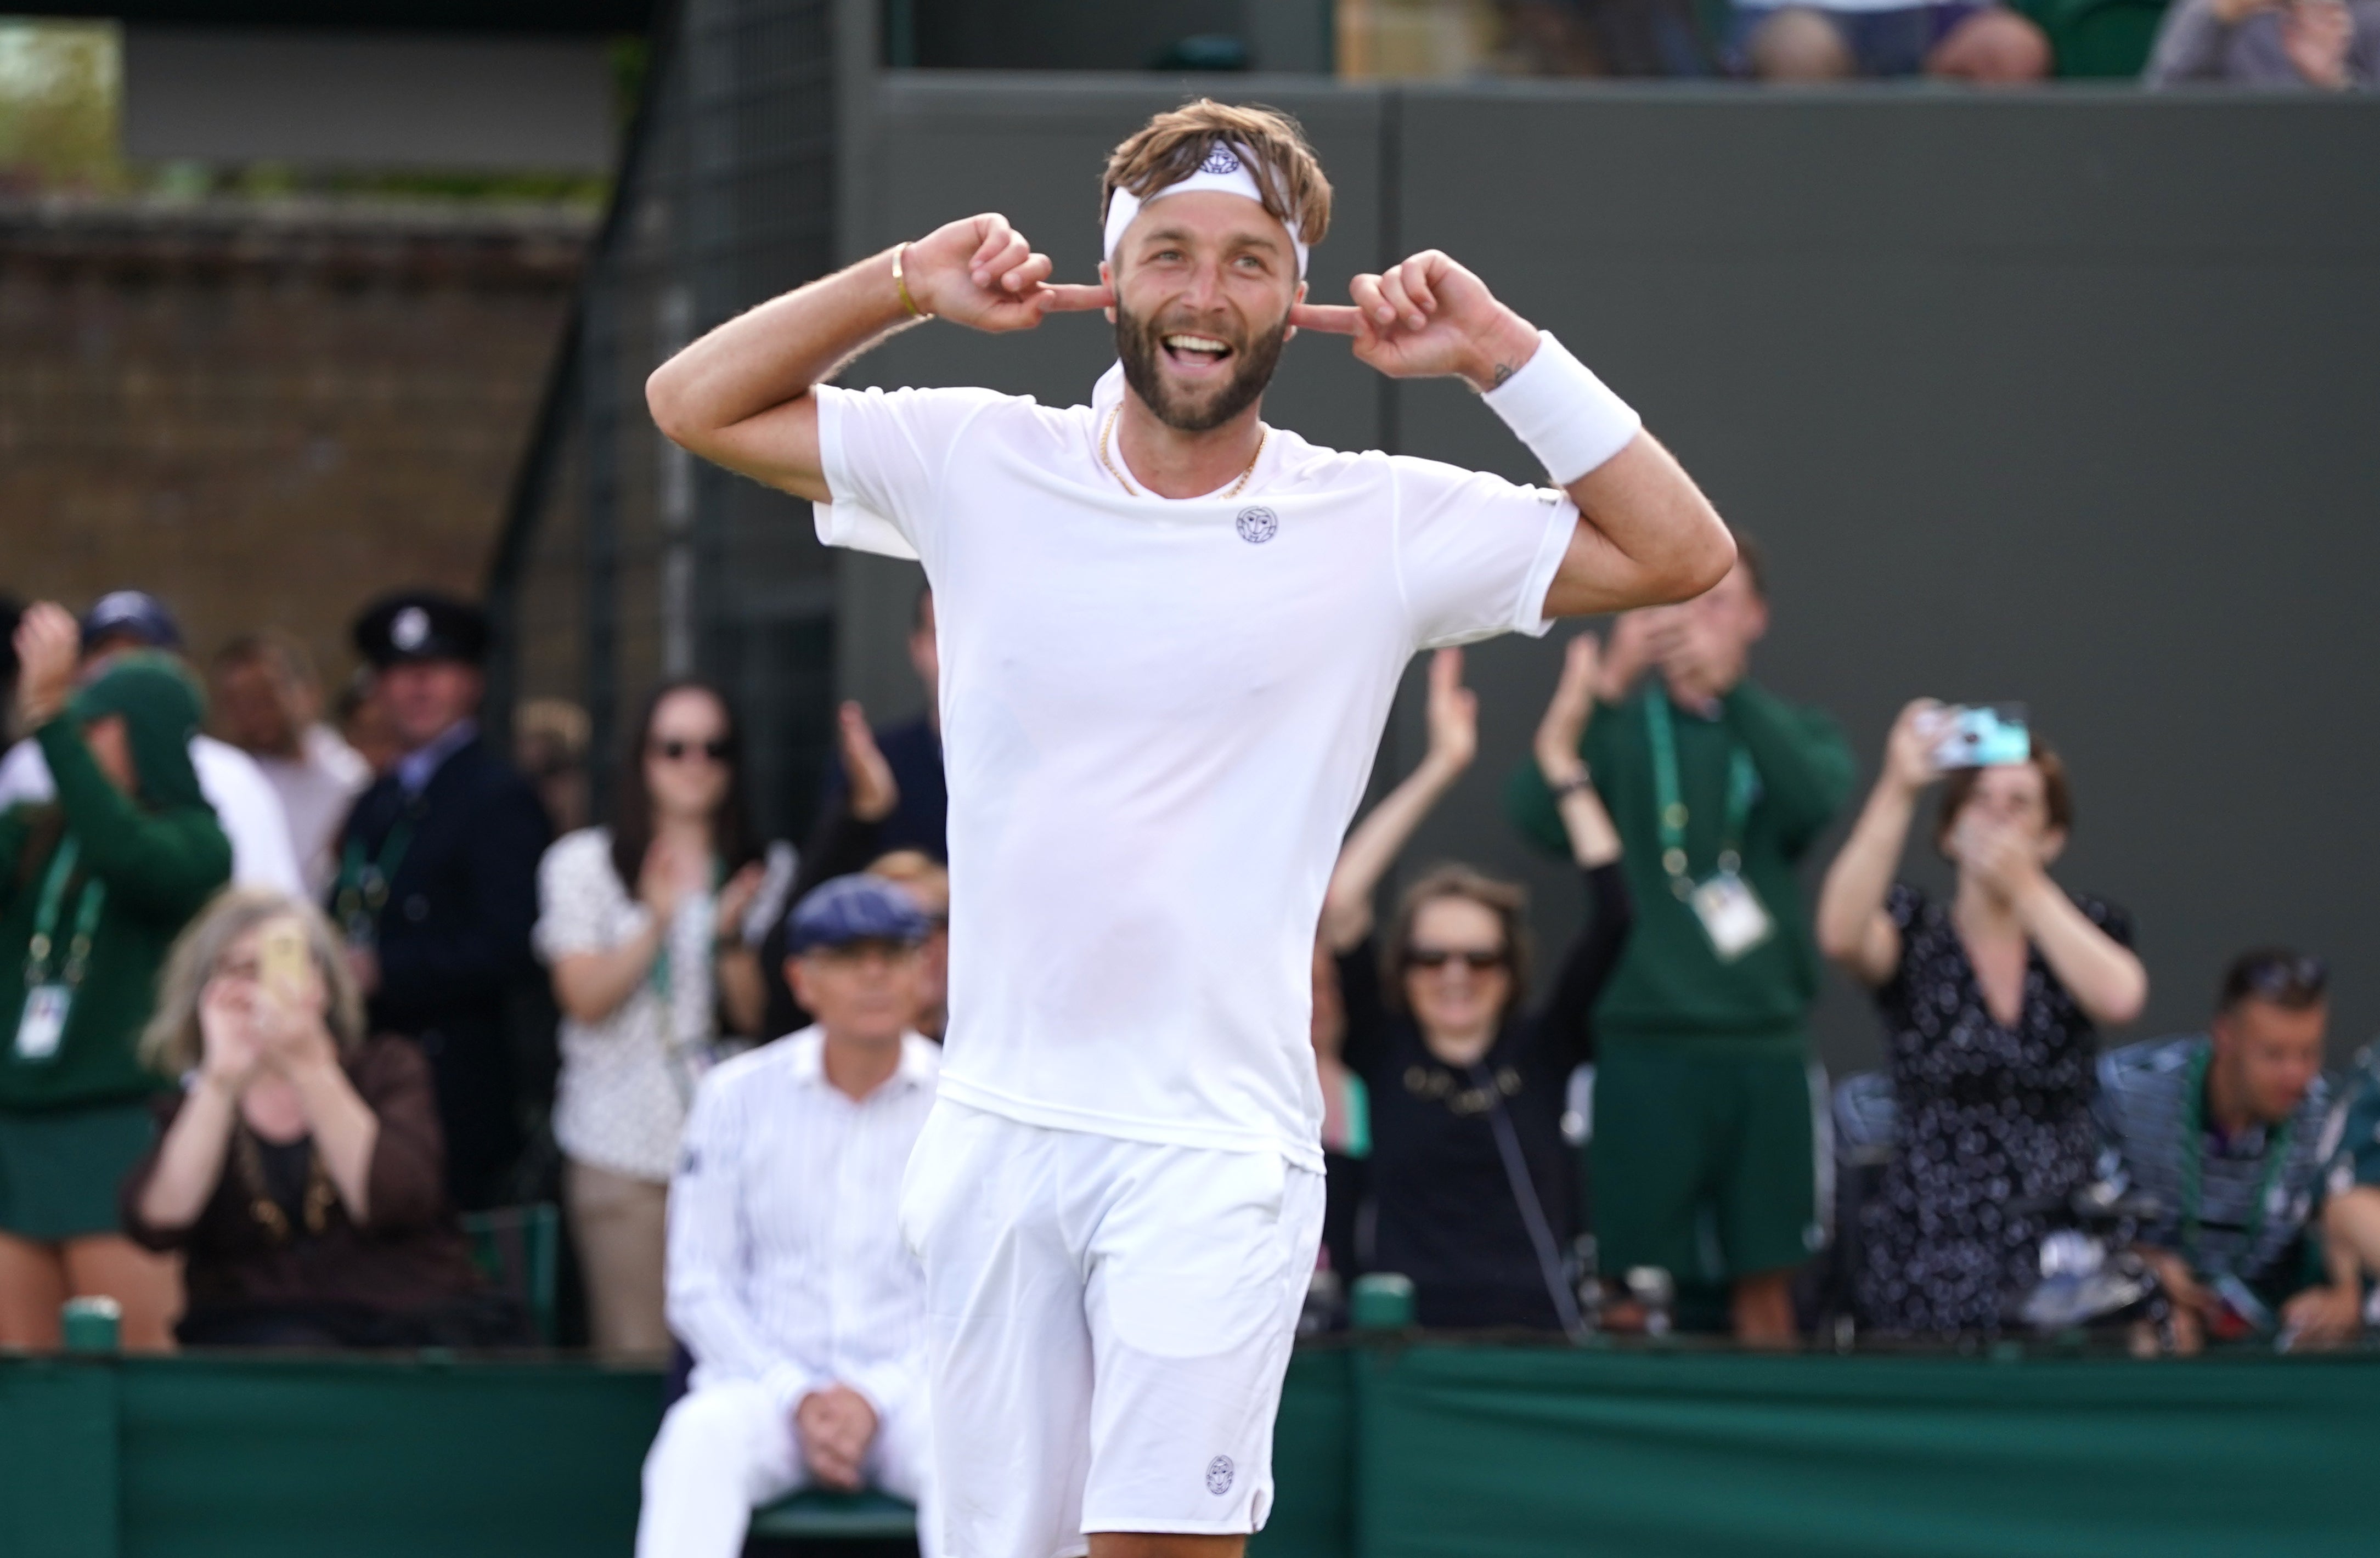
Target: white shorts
pixel 1109 1323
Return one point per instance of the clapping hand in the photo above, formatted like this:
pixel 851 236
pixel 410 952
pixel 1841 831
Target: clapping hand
pixel 874 794
pixel 670 876
pixel 835 1424
pixel 1427 317
pixel 736 902
pixel 1564 724
pixel 980 272
pixel 1453 714
pixel 2316 36
pixel 1636 638
pixel 49 646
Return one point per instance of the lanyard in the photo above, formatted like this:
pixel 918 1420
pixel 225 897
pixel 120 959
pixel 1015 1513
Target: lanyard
pixel 363 884
pixel 2194 1153
pixel 1743 782
pixel 38 952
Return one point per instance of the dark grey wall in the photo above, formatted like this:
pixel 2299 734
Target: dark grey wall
pixel 2068 400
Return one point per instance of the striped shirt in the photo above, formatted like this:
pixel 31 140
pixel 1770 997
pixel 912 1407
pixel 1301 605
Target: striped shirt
pixel 786 1264
pixel 2144 1093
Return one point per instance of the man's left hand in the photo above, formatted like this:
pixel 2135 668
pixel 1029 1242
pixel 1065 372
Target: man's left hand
pixel 2324 1317
pixel 1426 318
pixel 837 1426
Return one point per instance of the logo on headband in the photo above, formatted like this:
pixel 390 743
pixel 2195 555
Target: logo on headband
pixel 1258 525
pixel 1219 159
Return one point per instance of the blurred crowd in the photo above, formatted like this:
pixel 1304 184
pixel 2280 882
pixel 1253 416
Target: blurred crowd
pixel 2310 45
pixel 318 1003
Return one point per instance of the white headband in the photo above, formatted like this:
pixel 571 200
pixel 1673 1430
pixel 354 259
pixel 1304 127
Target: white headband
pixel 1225 169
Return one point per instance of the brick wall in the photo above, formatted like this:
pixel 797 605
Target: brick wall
pixel 267 413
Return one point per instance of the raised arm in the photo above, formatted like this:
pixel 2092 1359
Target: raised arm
pixel 1375 844
pixel 1593 840
pixel 1646 533
pixel 1853 931
pixel 740 396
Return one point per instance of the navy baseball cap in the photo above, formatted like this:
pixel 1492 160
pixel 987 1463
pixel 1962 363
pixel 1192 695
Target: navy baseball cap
pixel 134 614
pixel 853 909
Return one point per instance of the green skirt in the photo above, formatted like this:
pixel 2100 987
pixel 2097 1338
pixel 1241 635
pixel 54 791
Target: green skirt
pixel 60 1168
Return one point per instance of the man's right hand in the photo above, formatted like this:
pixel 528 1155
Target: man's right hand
pixel 980 273
pixel 835 1426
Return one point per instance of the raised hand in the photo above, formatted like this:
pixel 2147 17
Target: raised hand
pixel 229 1054
pixel 668 877
pixel 736 902
pixel 48 644
pixel 1635 646
pixel 1453 713
pixel 980 272
pixel 874 793
pixel 1564 723
pixel 1427 317
pixel 2316 36
pixel 1909 750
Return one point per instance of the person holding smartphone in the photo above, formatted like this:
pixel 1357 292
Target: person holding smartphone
pixel 1991 1004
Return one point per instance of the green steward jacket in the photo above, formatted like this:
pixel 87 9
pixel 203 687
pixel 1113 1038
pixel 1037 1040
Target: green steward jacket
pixel 161 857
pixel 1669 984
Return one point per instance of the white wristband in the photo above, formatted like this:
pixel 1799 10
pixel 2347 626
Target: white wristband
pixel 1568 417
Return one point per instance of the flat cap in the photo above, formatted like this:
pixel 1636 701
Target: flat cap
pixel 853 909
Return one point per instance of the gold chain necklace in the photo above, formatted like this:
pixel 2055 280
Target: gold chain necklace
pixel 1264 435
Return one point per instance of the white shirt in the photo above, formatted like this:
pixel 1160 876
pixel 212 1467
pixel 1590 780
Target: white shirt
pixel 1157 718
pixel 317 788
pixel 621 1098
pixel 786 1264
pixel 251 815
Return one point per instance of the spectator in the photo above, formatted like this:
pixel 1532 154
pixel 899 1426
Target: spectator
pixel 268 702
pixel 1991 1004
pixel 93 888
pixel 1814 41
pixel 852 835
pixel 12 611
pixel 2224 1130
pixel 909 808
pixel 550 748
pixel 1471 1178
pixel 642 925
pixel 300 1173
pixel 127 621
pixel 2318 45
pixel 437 887
pixel 2350 1222
pixel 363 715
pixel 1702 1094
pixel 928 882
pixel 789 1277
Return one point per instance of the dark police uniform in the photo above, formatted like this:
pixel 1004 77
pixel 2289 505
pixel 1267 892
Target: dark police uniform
pixel 442 884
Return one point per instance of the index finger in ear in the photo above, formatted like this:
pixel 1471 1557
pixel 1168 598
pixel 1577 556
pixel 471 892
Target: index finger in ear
pixel 1331 318
pixel 1067 298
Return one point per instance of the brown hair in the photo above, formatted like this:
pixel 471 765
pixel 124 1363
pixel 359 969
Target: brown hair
pixel 1958 788
pixel 1508 901
pixel 1171 146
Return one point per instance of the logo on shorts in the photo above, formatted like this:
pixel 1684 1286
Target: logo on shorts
pixel 1258 525
pixel 1219 1476
pixel 1219 159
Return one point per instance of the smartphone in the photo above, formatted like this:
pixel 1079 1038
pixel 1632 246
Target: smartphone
pixel 281 957
pixel 1982 735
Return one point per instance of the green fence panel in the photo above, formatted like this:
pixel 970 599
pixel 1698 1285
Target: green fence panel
pixel 1498 1454
pixel 57 1460
pixel 1313 1446
pixel 261 1458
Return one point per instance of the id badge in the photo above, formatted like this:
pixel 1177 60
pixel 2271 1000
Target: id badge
pixel 44 1022
pixel 1733 915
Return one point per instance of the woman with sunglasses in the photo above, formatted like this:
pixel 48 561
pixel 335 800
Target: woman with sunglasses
pixel 643 925
pixel 1470 1176
pixel 1991 1004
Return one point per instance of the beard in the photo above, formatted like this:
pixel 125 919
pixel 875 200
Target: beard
pixel 1141 348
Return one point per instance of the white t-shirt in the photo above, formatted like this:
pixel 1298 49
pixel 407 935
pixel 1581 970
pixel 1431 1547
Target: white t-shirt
pixel 1157 718
pixel 317 789
pixel 246 807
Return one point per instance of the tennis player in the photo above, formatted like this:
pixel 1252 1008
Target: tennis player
pixel 1170 638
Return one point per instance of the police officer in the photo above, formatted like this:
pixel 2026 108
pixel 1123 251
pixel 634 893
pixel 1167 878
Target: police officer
pixel 437 884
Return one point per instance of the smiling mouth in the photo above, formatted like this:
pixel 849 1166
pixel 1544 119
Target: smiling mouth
pixel 1187 349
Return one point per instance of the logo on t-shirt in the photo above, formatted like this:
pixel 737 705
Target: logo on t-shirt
pixel 1219 159
pixel 1258 525
pixel 1219 1476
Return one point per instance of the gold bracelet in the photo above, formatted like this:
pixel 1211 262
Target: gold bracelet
pixel 902 283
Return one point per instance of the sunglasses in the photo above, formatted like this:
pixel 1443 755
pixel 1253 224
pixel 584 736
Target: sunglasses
pixel 1439 957
pixel 2289 979
pixel 718 750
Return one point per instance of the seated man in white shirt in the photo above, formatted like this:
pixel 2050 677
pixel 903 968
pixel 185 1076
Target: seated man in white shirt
pixel 789 1280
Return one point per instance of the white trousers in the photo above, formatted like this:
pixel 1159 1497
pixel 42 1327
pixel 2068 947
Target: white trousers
pixel 1110 1323
pixel 728 1448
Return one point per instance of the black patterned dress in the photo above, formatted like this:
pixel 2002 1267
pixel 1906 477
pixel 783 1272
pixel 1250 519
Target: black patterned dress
pixel 1991 1117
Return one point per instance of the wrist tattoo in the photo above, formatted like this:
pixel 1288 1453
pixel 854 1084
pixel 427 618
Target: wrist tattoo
pixel 1503 371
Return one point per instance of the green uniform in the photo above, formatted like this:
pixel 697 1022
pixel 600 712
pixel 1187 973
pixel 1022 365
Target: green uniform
pixel 73 1119
pixel 1702 1102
